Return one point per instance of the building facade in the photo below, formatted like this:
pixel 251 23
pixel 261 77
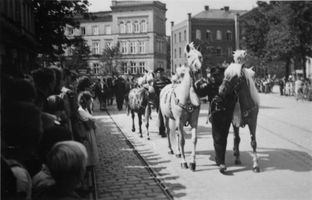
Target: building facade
pixel 139 29
pixel 17 37
pixel 215 27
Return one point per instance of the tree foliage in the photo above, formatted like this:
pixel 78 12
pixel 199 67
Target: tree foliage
pixel 110 58
pixel 80 54
pixel 279 30
pixel 51 18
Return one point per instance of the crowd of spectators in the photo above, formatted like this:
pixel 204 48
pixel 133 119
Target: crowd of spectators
pixel 298 87
pixel 47 135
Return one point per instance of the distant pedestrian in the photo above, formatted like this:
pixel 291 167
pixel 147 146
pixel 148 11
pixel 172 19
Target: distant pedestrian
pixel 160 82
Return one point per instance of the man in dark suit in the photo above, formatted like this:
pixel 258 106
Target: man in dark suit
pixel 160 82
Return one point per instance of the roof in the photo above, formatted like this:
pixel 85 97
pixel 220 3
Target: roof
pixel 102 16
pixel 135 3
pixel 218 14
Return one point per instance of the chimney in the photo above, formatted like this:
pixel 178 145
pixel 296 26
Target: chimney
pixel 206 8
pixel 226 8
pixel 189 16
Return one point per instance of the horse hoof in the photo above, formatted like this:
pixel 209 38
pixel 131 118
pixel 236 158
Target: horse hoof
pixel 170 152
pixel 238 162
pixel 193 166
pixel 256 169
pixel 178 155
pixel 222 168
pixel 133 130
pixel 184 165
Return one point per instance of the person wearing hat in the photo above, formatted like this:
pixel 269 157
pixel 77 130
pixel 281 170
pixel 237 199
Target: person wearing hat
pixel 160 82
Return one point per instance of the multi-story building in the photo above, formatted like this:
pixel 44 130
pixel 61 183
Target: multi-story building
pixel 17 37
pixel 215 27
pixel 138 27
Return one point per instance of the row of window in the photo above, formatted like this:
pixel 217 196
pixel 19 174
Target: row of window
pixel 133 27
pixel 133 68
pixel 216 52
pixel 95 48
pixel 95 30
pixel 132 47
pixel 208 35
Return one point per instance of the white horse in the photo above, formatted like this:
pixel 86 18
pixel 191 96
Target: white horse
pixel 180 103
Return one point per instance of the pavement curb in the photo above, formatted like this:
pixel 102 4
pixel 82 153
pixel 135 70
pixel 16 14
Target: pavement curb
pixel 153 173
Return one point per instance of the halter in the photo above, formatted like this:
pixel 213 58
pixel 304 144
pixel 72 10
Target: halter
pixel 189 107
pixel 236 86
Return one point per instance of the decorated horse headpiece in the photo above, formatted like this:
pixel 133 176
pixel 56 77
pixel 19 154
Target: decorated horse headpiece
pixel 194 57
pixel 239 56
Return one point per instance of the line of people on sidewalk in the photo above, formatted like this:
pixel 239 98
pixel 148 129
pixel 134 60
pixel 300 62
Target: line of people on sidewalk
pixel 48 141
pixel 299 87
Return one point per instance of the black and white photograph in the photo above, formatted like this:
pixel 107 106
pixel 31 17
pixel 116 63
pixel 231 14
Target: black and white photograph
pixel 156 100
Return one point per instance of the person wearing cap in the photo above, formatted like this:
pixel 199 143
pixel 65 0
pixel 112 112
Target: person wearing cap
pixel 160 82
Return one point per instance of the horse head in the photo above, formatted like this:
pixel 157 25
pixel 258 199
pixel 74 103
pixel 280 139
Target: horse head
pixel 194 57
pixel 233 78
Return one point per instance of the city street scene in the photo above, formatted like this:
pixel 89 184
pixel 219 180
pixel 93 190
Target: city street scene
pixel 144 100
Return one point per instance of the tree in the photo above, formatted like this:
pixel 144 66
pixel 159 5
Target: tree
pixel 80 54
pixel 51 18
pixel 110 58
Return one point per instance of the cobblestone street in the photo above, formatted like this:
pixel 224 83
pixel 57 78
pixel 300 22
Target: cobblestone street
pixel 121 174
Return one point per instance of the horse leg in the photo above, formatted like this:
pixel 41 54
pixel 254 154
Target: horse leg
pixel 236 145
pixel 140 123
pixel 166 120
pixel 181 143
pixel 147 115
pixel 252 125
pixel 133 116
pixel 194 141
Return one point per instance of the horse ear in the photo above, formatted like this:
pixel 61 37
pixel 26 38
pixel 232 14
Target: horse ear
pixel 198 48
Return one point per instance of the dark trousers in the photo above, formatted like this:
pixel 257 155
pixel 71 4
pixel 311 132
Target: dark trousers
pixel 161 123
pixel 220 122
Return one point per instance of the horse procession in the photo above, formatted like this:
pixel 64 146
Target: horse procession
pixel 232 96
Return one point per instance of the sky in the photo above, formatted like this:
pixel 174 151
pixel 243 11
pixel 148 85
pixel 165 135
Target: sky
pixel 177 9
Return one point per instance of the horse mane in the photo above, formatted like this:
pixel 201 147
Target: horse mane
pixel 234 69
pixel 249 73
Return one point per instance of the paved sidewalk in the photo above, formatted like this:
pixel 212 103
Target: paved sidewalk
pixel 121 174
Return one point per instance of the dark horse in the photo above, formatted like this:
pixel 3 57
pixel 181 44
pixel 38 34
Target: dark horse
pixel 239 80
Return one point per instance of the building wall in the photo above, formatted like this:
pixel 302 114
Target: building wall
pixel 17 37
pixel 142 49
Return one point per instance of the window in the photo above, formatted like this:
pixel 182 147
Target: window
pixel 108 30
pixel 136 47
pixel 228 35
pixel 175 38
pixel 184 35
pixel 122 28
pixel 218 51
pixel 70 30
pixel 141 67
pixel 180 37
pixel 70 51
pixel 133 68
pixel 136 27
pixel 180 52
pixel 82 30
pixel 95 47
pixel 143 26
pixel 129 27
pixel 142 47
pixel 123 47
pixel 198 34
pixel 219 35
pixel 95 30
pixel 132 47
pixel 125 67
pixel 96 68
pixel 108 43
pixel 208 35
pixel 175 53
